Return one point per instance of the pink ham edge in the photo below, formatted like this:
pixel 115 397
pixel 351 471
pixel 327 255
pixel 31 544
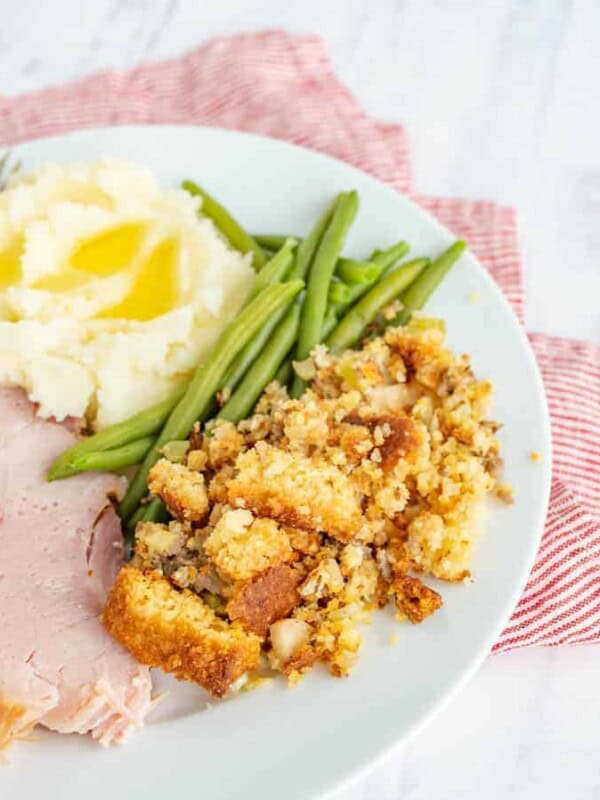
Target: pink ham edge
pixel 60 549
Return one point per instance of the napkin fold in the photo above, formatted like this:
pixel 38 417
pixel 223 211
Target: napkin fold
pixel 284 86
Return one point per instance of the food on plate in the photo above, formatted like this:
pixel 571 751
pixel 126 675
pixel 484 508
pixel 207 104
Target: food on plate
pixel 169 629
pixel 61 548
pixel 303 447
pixel 111 288
pixel 296 523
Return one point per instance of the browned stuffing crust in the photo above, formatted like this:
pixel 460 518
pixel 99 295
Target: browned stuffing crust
pixel 177 631
pixel 269 597
pixel 414 599
pixel 296 490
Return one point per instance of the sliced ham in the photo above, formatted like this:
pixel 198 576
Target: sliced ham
pixel 60 550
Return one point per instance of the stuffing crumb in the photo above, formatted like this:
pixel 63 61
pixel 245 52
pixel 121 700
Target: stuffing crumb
pixel 414 599
pixel 254 682
pixel 535 456
pixel 393 639
pixel 297 490
pixel 505 492
pixel 295 525
pixel 474 297
pixel 156 542
pixel 197 460
pixel 242 546
pixel 181 489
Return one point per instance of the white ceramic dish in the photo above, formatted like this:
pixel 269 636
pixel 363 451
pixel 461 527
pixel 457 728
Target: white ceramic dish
pixel 274 742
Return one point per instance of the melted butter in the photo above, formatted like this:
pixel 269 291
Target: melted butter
pixel 65 280
pixel 105 254
pixel 10 264
pixel 110 251
pixel 155 289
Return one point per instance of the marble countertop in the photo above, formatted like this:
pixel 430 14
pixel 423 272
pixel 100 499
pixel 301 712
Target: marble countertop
pixel 500 99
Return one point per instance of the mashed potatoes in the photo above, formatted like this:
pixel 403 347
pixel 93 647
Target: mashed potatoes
pixel 111 289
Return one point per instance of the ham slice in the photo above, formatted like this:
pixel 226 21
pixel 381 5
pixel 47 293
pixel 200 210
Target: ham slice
pixel 60 550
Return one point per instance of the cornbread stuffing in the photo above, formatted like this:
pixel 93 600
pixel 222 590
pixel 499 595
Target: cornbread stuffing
pixel 293 526
pixel 182 490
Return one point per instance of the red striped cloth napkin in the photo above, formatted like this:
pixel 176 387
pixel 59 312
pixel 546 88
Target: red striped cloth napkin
pixel 284 86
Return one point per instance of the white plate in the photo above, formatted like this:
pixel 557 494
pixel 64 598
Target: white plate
pixel 274 742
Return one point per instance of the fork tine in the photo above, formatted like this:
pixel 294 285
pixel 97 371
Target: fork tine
pixel 3 163
pixel 6 168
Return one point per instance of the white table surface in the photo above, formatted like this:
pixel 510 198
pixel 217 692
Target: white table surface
pixel 501 102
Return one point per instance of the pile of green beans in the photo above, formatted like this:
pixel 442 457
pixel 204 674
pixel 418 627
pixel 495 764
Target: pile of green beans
pixel 277 326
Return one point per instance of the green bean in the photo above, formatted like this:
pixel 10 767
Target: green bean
pixel 133 521
pixel 387 258
pixel 272 241
pixel 419 292
pixel 329 323
pixel 111 460
pixel 275 269
pixel 251 351
pixel 137 427
pixel 155 511
pixel 207 380
pixel 285 372
pixel 243 400
pixel 310 244
pixel 339 293
pixel 237 237
pixel 315 303
pixel 352 326
pixel 383 258
pixel 355 292
pixel 361 272
pixel 152 511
